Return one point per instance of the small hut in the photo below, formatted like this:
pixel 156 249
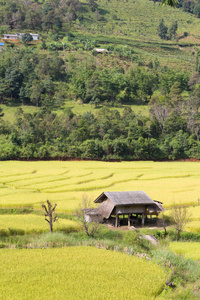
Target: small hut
pixel 133 204
pixel 92 215
pixel 98 50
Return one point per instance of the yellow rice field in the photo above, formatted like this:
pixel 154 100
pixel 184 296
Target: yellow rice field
pixel 64 182
pixel 34 224
pixel 194 223
pixel 188 249
pixel 77 273
pixel 193 226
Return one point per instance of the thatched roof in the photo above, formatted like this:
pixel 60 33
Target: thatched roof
pixel 106 208
pixel 125 198
pixel 109 200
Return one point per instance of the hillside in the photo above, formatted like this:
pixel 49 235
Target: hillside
pixel 135 23
pixel 61 99
pixel 131 23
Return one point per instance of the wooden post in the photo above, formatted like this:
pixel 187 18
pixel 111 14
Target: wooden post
pixel 129 220
pixel 143 219
pixel 116 221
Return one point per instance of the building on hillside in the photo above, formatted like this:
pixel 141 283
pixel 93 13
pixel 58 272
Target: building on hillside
pixel 16 36
pixel 10 36
pixel 98 50
pixel 133 204
pixel 35 36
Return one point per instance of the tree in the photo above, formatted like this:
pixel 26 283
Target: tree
pixel 49 216
pixel 197 10
pixel 93 5
pixel 27 37
pixel 180 216
pixel 173 30
pixel 163 223
pixel 1 112
pixel 13 79
pixel 162 30
pixel 90 228
pixel 170 2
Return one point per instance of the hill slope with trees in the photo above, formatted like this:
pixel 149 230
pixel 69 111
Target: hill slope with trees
pixel 142 67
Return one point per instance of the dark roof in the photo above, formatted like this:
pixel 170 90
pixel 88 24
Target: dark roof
pixel 125 198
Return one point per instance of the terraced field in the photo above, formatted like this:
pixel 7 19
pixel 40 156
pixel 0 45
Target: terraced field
pixel 25 184
pixel 77 273
pixel 26 224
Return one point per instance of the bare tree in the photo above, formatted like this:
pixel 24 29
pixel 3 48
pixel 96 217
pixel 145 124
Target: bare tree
pixel 162 222
pixel 49 216
pixel 180 216
pixel 90 228
pixel 161 112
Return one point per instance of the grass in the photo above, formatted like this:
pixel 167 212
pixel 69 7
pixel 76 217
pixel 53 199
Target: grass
pixel 185 275
pixel 11 111
pixel 77 273
pixel 79 109
pixel 190 250
pixel 135 23
pixel 25 184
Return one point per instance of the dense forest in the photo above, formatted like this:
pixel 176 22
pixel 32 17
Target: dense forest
pixel 64 66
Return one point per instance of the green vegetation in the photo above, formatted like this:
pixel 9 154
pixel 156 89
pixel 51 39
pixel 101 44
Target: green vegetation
pixel 63 70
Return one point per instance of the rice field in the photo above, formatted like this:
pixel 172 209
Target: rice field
pixel 26 224
pixel 24 184
pixel 77 273
pixel 187 249
pixel 193 226
pixel 194 214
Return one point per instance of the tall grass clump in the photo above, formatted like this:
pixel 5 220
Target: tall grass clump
pixel 185 270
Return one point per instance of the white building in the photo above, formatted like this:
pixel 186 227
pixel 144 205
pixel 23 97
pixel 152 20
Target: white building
pixel 16 36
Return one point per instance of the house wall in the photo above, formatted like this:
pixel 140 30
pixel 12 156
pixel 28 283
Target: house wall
pixel 129 209
pixel 35 38
pixel 93 218
pixel 10 37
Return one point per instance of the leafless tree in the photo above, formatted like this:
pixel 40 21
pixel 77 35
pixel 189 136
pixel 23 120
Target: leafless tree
pixel 161 112
pixel 162 222
pixel 90 228
pixel 180 216
pixel 49 214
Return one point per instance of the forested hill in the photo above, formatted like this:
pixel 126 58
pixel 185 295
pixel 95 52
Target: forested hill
pixel 152 60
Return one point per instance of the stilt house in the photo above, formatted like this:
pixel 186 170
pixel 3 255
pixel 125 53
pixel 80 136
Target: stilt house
pixel 133 204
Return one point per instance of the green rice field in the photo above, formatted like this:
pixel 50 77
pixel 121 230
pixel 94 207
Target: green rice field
pixel 187 249
pixel 77 273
